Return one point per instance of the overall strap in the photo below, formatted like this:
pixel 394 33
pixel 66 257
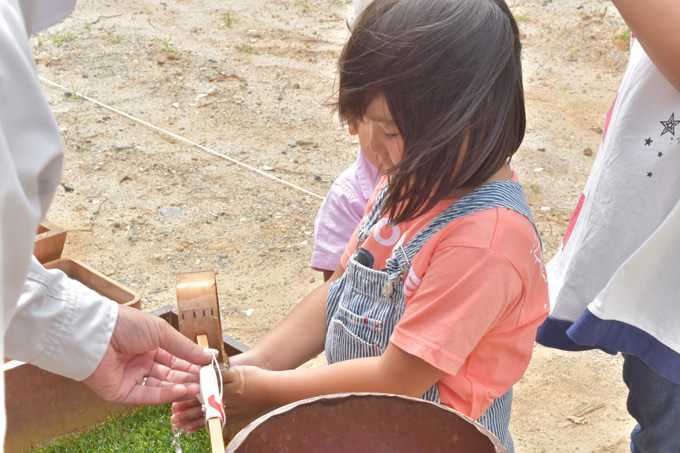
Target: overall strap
pixel 369 221
pixel 505 193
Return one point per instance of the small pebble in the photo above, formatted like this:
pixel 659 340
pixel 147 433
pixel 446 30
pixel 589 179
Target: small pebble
pixel 171 211
pixel 121 145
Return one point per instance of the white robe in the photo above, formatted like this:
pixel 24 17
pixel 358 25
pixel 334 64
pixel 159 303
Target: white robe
pixel 48 319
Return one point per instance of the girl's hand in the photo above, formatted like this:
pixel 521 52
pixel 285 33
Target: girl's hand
pixel 188 415
pixel 240 402
pixel 241 399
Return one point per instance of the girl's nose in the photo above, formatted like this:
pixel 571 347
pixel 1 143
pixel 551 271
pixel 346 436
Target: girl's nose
pixel 377 145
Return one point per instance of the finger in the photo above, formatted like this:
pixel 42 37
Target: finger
pixel 180 406
pixel 164 357
pixel 191 426
pixel 234 379
pixel 231 375
pixel 166 393
pixel 184 413
pixel 153 390
pixel 168 375
pixel 188 417
pixel 150 381
pixel 180 346
pixel 189 397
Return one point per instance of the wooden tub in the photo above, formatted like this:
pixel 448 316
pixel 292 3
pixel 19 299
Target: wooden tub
pixel 49 242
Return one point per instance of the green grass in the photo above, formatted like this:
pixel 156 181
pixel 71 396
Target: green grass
pixel 227 19
pixel 247 49
pixel 166 43
pixel 147 429
pixel 624 35
pixel 111 36
pixel 63 37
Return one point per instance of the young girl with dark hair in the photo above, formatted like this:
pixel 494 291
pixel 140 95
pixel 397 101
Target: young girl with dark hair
pixel 442 287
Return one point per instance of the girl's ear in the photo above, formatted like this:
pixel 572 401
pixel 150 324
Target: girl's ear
pixel 352 128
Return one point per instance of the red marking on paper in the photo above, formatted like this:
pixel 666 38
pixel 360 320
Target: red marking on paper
pixel 216 405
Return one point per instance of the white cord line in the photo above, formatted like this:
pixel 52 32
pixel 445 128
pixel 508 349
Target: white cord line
pixel 185 140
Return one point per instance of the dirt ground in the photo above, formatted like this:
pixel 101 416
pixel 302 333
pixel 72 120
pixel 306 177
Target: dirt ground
pixel 224 97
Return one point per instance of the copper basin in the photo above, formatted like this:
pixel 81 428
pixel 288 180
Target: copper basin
pixel 365 422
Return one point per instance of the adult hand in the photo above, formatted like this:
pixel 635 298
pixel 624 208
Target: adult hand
pixel 147 362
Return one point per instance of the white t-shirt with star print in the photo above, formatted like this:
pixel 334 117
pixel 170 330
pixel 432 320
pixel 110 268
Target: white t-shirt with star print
pixel 615 283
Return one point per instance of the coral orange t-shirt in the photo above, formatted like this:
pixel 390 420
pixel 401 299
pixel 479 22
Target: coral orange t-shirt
pixel 475 295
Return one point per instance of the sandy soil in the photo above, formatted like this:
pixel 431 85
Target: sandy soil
pixel 224 97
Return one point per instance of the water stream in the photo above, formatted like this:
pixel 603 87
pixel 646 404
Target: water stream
pixel 175 442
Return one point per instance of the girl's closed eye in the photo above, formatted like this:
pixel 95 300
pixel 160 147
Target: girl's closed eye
pixel 385 139
pixel 389 134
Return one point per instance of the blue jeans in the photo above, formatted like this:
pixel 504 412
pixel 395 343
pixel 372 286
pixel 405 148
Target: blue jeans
pixel 654 402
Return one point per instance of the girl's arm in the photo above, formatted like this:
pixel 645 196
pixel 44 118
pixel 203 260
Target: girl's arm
pixel 655 25
pixel 250 391
pixel 299 337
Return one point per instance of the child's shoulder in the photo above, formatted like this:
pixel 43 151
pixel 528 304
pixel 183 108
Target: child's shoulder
pixel 359 178
pixel 495 235
pixel 499 229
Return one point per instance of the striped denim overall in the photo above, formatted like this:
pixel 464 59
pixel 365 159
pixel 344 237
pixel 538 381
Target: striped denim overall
pixel 364 305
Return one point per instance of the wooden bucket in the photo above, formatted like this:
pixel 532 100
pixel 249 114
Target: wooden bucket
pixel 96 281
pixel 49 242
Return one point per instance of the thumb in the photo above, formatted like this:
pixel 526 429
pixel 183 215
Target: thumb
pixel 234 377
pixel 166 337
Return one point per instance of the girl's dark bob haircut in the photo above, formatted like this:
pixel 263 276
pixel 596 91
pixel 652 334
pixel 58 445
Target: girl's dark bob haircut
pixel 451 74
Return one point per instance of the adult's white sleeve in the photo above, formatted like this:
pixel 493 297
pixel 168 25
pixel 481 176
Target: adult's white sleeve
pixel 60 325
pixel 31 151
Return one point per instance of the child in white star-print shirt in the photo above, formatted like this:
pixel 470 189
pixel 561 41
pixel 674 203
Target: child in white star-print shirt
pixel 614 284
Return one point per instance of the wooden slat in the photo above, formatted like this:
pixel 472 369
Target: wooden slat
pixel 215 430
